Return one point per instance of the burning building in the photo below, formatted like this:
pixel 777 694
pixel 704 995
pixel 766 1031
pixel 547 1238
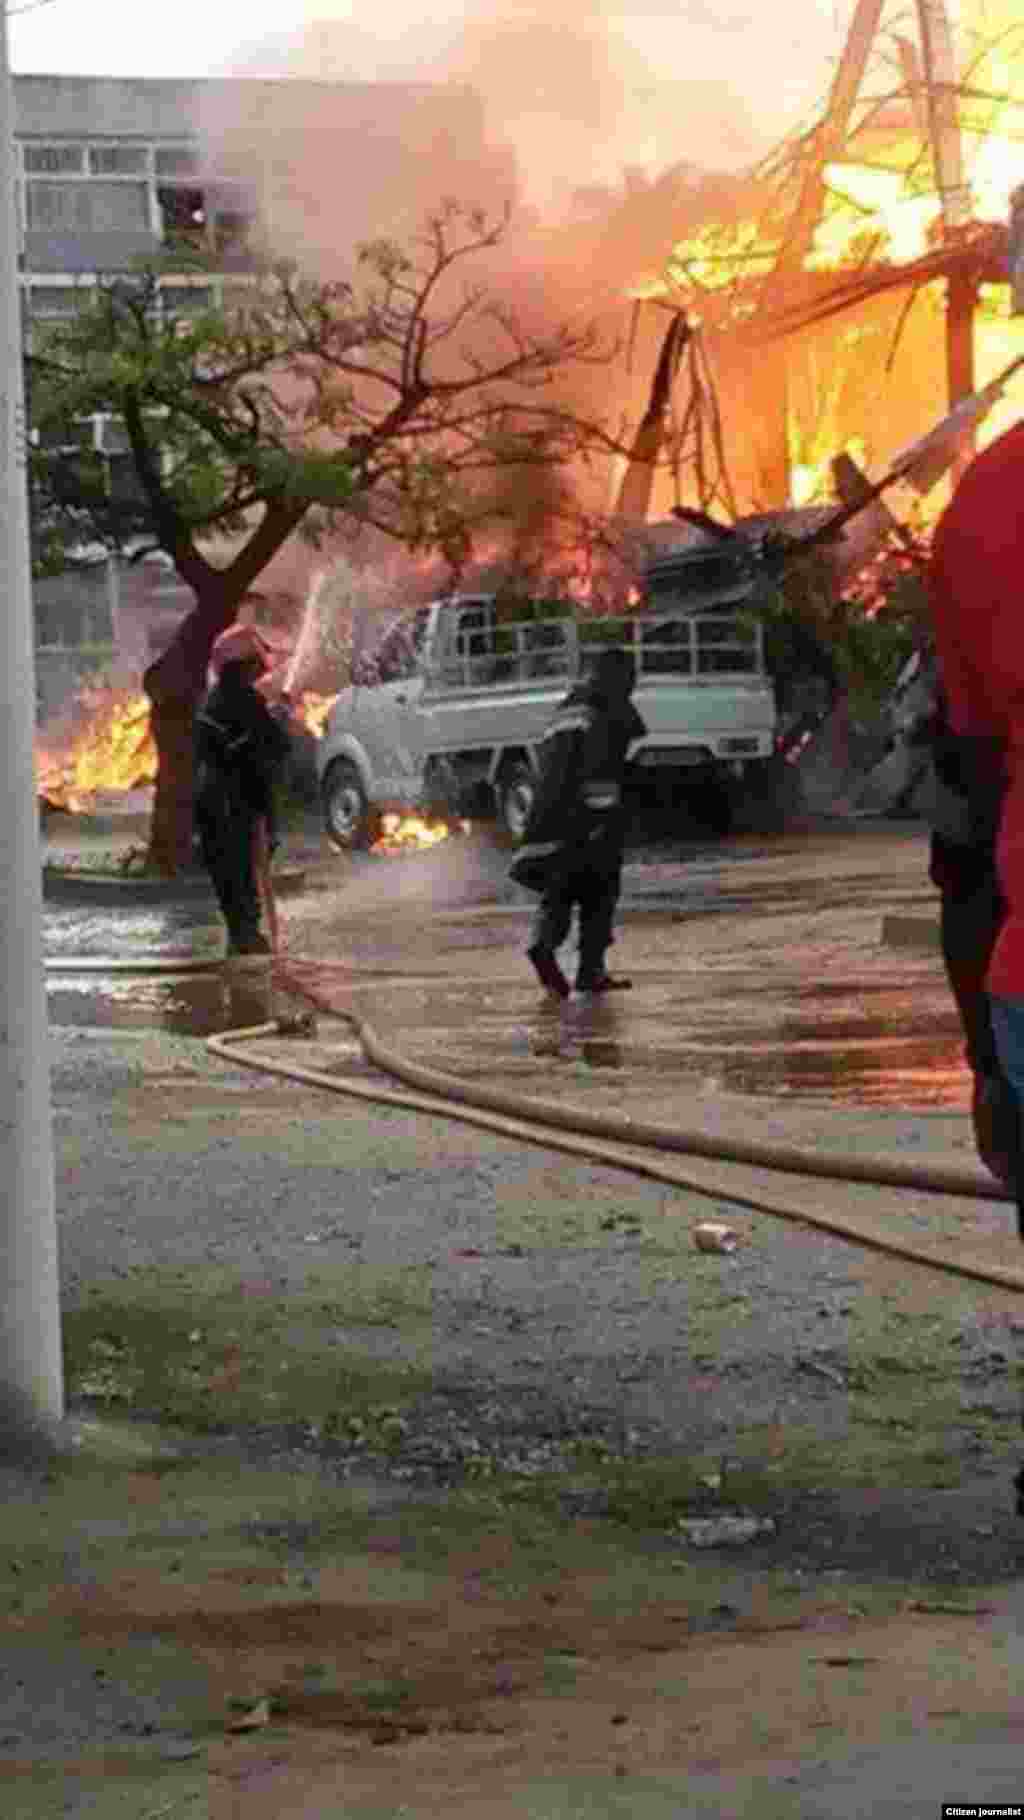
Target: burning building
pixel 825 281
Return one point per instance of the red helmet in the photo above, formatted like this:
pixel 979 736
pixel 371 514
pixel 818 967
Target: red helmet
pixel 241 644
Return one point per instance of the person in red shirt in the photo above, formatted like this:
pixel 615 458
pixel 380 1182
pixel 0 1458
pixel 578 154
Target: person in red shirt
pixel 976 590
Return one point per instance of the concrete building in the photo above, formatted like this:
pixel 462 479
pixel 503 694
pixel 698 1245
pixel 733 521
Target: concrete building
pixel 110 172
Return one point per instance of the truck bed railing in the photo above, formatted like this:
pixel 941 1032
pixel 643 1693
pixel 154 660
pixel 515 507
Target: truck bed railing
pixel 697 647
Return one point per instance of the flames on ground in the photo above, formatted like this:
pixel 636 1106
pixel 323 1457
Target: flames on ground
pixel 413 833
pixel 103 745
pixel 312 710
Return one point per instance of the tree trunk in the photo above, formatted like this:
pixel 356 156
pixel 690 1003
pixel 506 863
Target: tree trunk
pixel 175 684
pixel 170 831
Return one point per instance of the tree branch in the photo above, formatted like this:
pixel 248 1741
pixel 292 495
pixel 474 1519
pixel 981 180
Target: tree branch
pixel 173 534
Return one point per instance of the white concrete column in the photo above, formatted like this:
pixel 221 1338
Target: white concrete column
pixel 31 1388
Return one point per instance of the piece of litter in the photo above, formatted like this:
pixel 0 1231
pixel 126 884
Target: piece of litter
pixel 712 1237
pixel 252 1719
pixel 725 1531
pixel 298 1023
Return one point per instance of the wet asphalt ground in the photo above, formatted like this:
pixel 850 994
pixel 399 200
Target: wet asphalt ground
pixel 891 1041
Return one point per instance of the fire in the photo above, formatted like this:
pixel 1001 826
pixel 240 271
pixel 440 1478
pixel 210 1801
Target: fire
pixel 412 834
pixel 105 744
pixel 108 748
pixel 874 214
pixel 312 710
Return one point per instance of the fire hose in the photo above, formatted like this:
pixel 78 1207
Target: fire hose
pixel 619 1141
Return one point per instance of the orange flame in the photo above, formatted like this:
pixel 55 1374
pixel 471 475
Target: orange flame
pixel 412 834
pixel 312 710
pixel 109 747
pixel 105 745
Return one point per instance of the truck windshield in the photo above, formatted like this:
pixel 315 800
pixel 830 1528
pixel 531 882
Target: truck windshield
pixel 392 657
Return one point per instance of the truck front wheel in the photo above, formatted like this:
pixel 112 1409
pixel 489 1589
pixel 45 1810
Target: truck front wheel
pixel 517 788
pixel 351 823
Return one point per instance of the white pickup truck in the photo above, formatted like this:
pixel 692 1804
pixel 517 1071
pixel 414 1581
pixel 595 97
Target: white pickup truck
pixel 469 684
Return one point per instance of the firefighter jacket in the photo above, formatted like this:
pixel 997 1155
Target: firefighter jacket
pixel 238 745
pixel 580 803
pixel 976 588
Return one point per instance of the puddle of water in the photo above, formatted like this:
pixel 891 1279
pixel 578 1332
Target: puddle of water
pixel 171 930
pixel 189 1005
pixel 928 1073
pixel 905 1055
pixel 920 1072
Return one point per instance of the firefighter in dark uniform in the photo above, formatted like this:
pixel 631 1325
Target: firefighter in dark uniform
pixel 577 828
pixel 239 744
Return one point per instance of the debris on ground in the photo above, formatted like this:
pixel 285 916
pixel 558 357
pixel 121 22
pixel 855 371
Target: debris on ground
pixel 713 1237
pixel 730 1530
pixel 252 1719
pixel 296 1023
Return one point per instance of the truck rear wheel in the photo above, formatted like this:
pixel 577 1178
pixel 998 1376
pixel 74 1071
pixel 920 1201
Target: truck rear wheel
pixel 517 788
pixel 350 822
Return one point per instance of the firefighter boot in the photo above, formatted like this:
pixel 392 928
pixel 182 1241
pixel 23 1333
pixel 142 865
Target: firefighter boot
pixel 602 982
pixel 545 965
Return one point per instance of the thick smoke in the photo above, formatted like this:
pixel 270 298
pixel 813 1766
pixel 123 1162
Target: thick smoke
pixel 583 91
pixel 599 128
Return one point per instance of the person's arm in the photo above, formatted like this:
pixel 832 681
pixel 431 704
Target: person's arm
pixel 267 728
pixel 556 794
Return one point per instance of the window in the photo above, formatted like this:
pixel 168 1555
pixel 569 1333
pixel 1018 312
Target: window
pixel 52 160
pixel 117 160
pixel 86 208
pixel 48 300
pixel 394 658
pixel 183 214
pixel 185 299
pixel 176 160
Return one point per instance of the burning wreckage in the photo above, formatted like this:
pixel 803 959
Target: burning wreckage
pixel 448 716
pixel 441 721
